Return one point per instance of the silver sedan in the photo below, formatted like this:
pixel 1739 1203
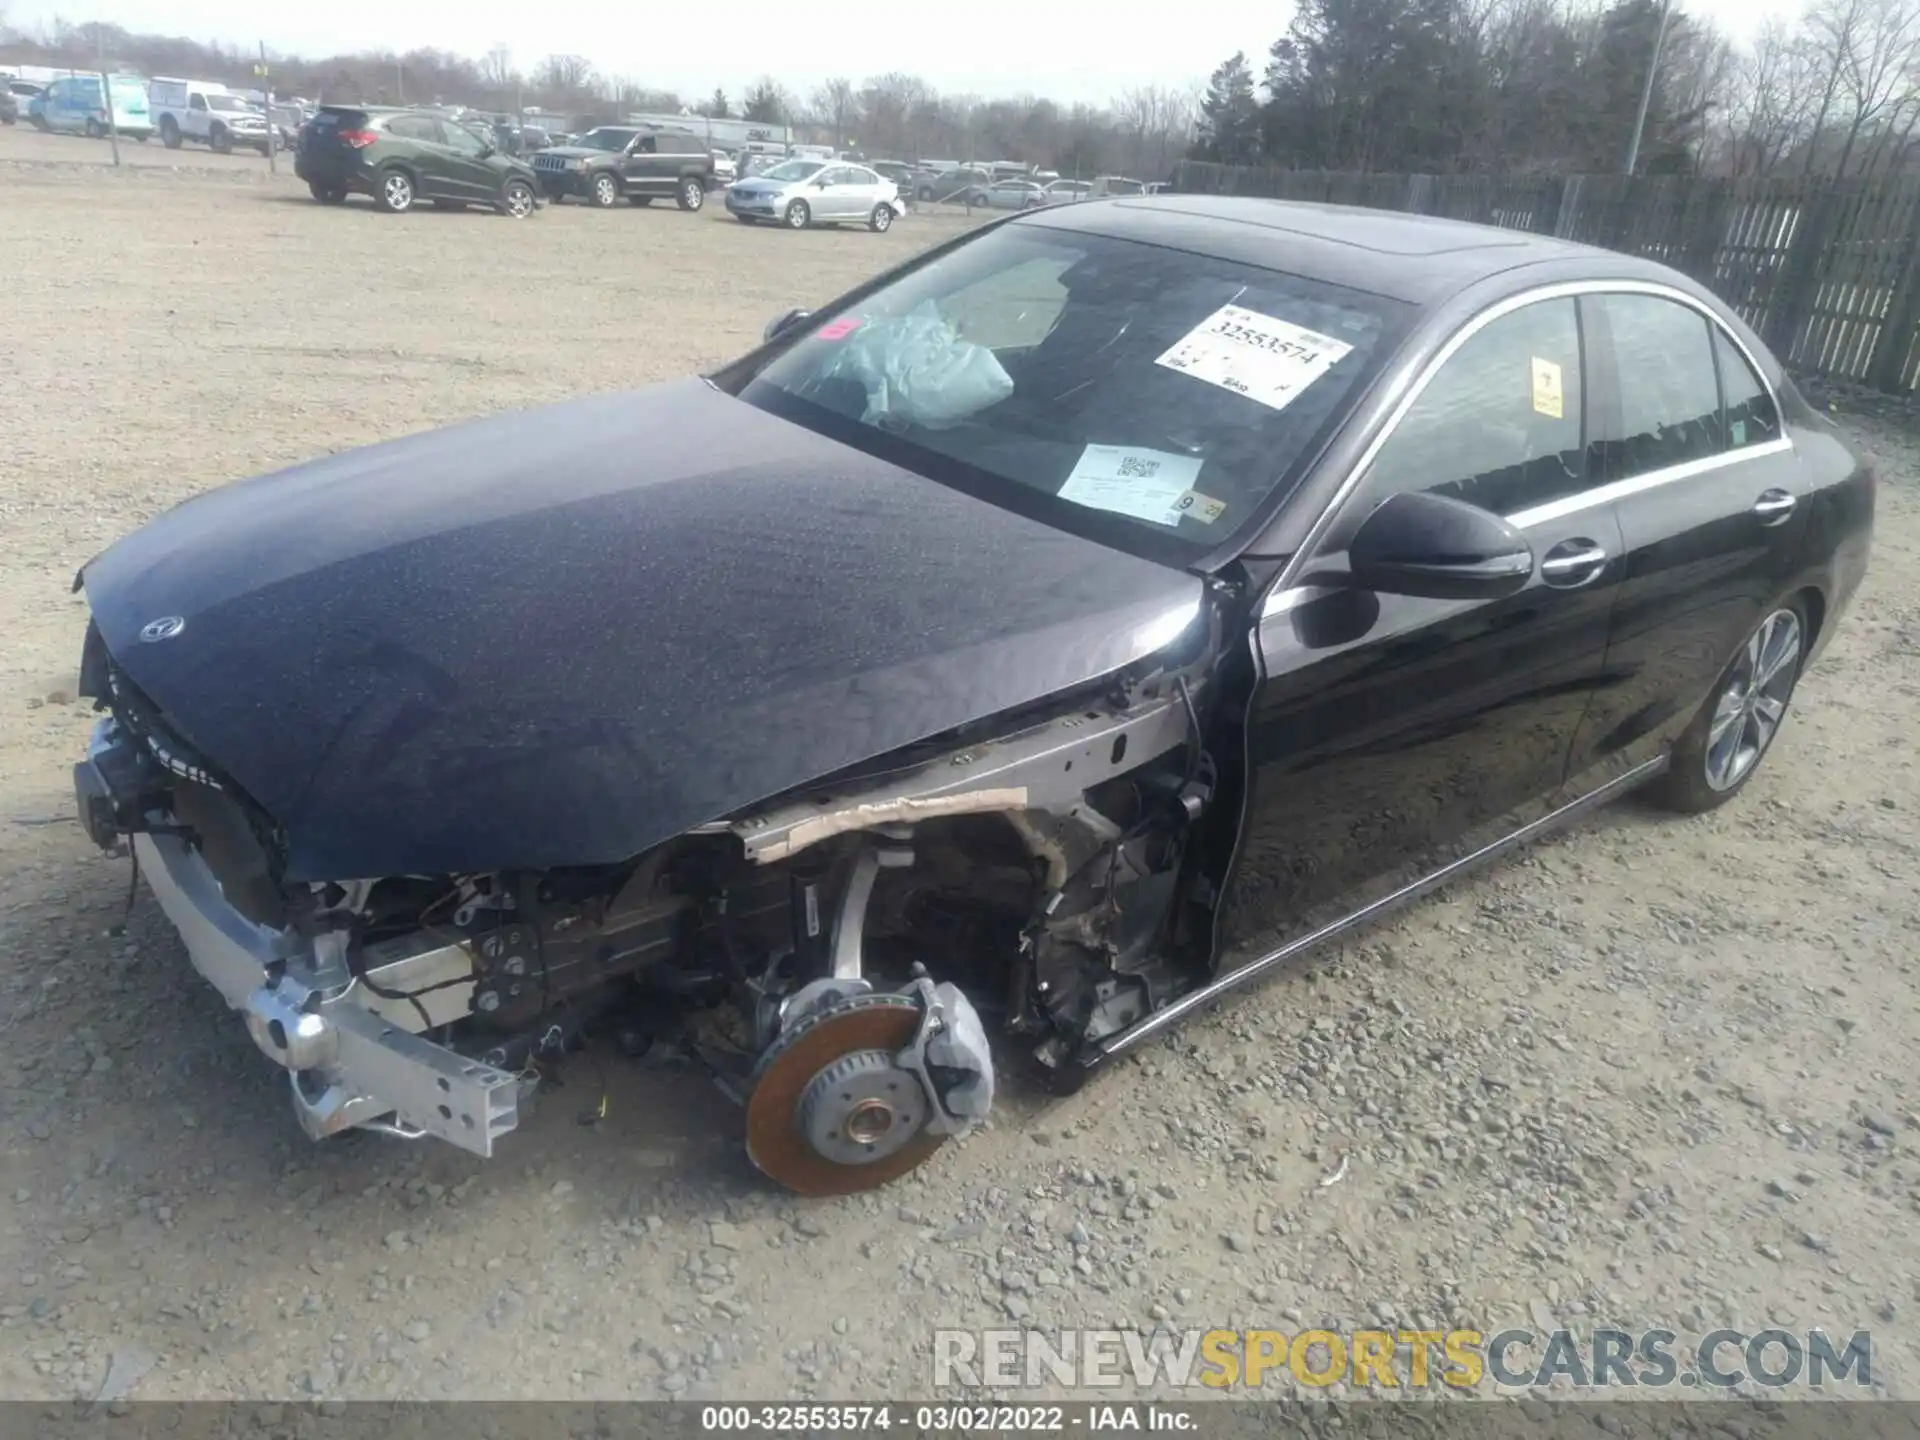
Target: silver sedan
pixel 799 193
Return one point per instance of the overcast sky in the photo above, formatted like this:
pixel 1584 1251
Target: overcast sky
pixel 1067 49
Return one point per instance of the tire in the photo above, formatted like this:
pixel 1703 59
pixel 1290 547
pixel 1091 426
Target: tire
pixel 881 220
pixel 639 202
pixel 220 140
pixel 924 194
pixel 40 124
pixel 798 216
pixel 142 139
pixel 1723 747
pixel 170 132
pixel 327 194
pixel 692 194
pixel 517 200
pixel 395 192
pixel 95 130
pixel 606 191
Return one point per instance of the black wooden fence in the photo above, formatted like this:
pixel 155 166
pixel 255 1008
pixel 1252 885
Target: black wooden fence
pixel 1828 273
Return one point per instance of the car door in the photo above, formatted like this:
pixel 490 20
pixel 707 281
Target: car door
pixel 865 189
pixel 640 166
pixel 420 150
pixel 833 193
pixel 1389 735
pixel 1710 512
pixel 469 176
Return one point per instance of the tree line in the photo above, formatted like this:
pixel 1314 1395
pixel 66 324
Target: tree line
pixel 1142 132
pixel 1444 86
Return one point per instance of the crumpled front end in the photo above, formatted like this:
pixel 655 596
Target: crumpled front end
pixel 353 1057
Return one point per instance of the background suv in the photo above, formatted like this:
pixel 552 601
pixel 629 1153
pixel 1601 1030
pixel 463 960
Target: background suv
pixel 640 163
pixel 401 156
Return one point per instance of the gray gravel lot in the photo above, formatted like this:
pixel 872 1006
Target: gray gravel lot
pixel 1656 1072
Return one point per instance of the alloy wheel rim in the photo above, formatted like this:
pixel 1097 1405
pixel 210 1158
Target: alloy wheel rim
pixel 1753 702
pixel 797 217
pixel 882 219
pixel 399 192
pixel 692 192
pixel 603 187
pixel 519 202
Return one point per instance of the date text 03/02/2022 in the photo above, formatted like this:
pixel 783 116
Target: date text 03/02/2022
pixel 924 1418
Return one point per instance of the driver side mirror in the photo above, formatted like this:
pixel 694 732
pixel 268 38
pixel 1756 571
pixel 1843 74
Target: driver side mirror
pixel 780 324
pixel 1434 547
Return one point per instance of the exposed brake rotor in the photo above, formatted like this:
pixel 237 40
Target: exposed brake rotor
pixel 832 1112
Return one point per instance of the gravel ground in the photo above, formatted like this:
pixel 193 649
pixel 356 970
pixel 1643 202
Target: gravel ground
pixel 1654 1072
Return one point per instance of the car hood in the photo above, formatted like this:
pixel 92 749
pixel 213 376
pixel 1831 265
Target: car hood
pixel 561 636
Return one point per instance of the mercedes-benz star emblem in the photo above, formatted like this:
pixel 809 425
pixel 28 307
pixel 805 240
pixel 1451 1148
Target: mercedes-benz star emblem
pixel 165 628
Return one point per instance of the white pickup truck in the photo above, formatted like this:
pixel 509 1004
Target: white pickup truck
pixel 199 110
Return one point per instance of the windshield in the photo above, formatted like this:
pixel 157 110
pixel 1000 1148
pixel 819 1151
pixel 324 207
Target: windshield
pixel 795 169
pixel 606 139
pixel 1147 397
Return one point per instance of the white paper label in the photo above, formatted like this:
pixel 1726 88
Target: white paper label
pixel 1255 355
pixel 1145 484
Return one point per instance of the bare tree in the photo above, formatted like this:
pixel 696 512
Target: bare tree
pixel 1879 51
pixel 835 105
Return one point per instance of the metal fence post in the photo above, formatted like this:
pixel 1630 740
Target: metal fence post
pixel 1568 214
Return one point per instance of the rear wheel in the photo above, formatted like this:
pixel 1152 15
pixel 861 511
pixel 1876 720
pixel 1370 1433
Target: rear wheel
pixel 798 215
pixel 220 140
pixel 692 194
pixel 169 132
pixel 606 190
pixel 95 129
pixel 327 194
pixel 882 218
pixel 395 192
pixel 517 200
pixel 1720 751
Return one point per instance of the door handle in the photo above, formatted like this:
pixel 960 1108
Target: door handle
pixel 1773 506
pixel 1572 563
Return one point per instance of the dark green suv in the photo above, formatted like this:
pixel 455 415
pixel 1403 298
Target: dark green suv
pixel 403 156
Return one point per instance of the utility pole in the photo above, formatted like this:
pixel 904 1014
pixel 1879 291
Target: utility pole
pixel 1646 90
pixel 273 128
pixel 399 84
pixel 106 92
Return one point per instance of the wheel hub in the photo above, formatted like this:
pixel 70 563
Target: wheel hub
pixel 862 1108
pixel 831 1113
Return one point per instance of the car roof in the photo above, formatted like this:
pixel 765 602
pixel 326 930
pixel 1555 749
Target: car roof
pixel 1420 259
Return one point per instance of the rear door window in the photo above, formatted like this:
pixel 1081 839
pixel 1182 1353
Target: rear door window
pixel 415 127
pixel 1669 394
pixel 1752 418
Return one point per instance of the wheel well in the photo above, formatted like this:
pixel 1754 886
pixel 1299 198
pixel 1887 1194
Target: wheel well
pixel 1816 608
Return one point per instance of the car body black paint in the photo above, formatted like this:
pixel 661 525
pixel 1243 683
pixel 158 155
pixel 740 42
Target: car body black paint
pixel 560 637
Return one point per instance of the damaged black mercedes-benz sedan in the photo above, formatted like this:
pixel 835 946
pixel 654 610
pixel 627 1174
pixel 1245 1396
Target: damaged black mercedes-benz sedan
pixel 1050 635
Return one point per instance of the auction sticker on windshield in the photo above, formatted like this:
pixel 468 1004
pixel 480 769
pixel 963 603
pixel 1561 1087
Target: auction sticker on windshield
pixel 1145 484
pixel 1255 355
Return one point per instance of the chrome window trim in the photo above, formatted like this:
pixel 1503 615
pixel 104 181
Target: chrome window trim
pixel 1648 480
pixel 1558 290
